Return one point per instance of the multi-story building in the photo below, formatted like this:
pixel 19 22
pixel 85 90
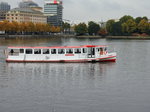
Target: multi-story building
pixel 4 8
pixel 26 15
pixel 53 11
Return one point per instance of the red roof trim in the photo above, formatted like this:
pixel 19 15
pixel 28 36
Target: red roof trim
pixel 56 47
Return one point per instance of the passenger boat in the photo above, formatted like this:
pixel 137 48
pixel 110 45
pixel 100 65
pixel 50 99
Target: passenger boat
pixel 86 53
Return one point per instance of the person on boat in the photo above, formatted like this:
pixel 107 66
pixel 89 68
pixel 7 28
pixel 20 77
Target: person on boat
pixel 11 51
pixel 101 51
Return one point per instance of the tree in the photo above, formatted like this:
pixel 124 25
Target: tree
pixel 116 29
pixel 23 27
pixel 109 26
pixel 103 32
pixel 66 27
pixel 81 29
pixel 14 27
pixel 93 28
pixel 5 26
pixel 31 27
pixel 138 19
pixel 129 26
pixel 144 26
pixel 125 18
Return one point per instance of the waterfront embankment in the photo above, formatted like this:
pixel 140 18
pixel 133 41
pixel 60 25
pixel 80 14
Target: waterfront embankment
pixel 73 36
pixel 33 36
pixel 129 37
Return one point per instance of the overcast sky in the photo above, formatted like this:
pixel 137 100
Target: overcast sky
pixel 98 10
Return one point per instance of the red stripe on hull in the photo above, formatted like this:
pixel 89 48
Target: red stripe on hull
pixel 109 60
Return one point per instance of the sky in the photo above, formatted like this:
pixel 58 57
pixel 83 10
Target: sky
pixel 98 10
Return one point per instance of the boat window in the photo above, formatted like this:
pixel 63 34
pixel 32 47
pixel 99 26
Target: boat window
pixel 98 49
pixel 53 51
pixel 37 51
pixel 21 50
pixel 28 51
pixel 45 51
pixel 61 51
pixel 69 51
pixel 14 52
pixel 84 50
pixel 77 51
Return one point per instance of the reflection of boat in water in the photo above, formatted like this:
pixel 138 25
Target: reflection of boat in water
pixel 86 53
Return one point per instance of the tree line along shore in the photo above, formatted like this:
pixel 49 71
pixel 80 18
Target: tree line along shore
pixel 125 27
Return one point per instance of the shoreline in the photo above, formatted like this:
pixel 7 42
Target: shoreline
pixel 129 37
pixel 33 36
pixel 73 36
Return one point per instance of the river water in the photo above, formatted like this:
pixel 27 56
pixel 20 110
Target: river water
pixel 123 86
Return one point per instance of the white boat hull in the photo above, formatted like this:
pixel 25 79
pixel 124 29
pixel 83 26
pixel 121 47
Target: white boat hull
pixel 107 58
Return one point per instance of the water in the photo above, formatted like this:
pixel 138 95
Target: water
pixel 123 86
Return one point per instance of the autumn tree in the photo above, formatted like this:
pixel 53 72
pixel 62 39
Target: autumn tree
pixel 103 32
pixel 30 27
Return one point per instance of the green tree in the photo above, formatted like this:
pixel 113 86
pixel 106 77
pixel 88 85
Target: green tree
pixel 129 26
pixel 116 29
pixel 81 29
pixel 66 27
pixel 144 26
pixel 125 18
pixel 138 19
pixel 109 26
pixel 93 28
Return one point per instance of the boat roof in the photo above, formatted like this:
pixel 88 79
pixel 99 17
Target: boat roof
pixel 56 47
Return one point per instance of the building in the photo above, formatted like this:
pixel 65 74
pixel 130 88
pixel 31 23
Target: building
pixel 30 4
pixel 53 11
pixel 26 15
pixel 4 8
